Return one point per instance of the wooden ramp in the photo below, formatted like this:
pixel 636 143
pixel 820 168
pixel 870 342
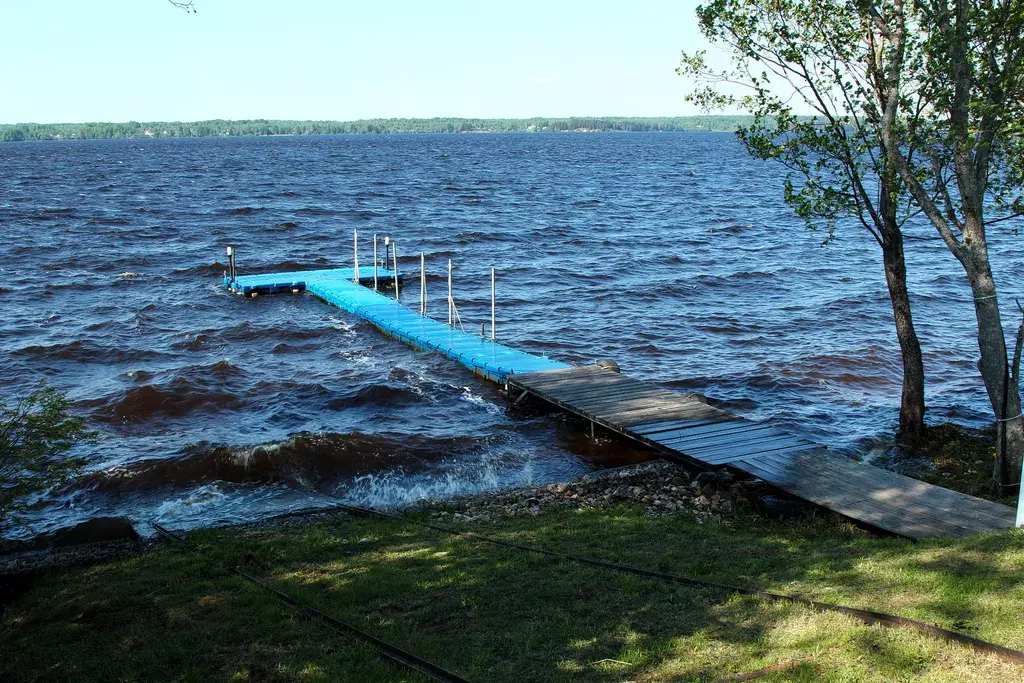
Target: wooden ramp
pixel 684 427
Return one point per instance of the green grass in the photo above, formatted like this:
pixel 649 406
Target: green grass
pixel 493 614
pixel 955 457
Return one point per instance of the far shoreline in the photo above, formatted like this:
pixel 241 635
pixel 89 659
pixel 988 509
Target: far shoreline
pixel 137 130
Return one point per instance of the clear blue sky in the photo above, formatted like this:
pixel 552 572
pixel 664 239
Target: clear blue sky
pixel 119 60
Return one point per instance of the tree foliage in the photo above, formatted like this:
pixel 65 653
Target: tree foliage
pixel 35 436
pixel 221 127
pixel 926 95
pixel 788 56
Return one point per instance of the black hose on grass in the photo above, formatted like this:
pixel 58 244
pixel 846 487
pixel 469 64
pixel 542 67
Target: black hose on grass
pixel 866 616
pixel 392 652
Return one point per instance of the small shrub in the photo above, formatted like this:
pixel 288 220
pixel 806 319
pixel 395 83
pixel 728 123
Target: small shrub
pixel 35 435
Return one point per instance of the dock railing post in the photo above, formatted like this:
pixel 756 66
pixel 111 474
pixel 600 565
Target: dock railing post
pixel 492 303
pixel 355 254
pixel 394 256
pixel 423 286
pixel 375 262
pixel 450 302
pixel 231 263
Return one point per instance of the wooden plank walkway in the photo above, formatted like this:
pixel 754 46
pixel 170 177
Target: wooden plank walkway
pixel 686 428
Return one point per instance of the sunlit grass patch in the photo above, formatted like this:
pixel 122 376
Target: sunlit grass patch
pixel 495 614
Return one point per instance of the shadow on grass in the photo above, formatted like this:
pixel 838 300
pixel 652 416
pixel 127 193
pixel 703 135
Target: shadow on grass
pixel 494 614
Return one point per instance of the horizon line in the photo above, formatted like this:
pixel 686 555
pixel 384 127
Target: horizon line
pixel 379 118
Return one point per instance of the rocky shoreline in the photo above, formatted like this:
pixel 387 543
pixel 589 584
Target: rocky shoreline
pixel 663 488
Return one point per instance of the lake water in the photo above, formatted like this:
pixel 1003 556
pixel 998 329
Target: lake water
pixel 672 254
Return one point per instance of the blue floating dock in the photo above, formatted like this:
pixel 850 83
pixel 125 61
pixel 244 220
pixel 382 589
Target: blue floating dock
pixel 337 286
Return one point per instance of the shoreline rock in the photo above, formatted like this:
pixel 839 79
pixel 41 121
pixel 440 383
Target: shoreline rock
pixel 663 488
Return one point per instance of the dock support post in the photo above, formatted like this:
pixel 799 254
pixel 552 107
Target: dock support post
pixel 231 263
pixel 492 303
pixel 394 262
pixel 592 429
pixel 423 286
pixel 375 262
pixel 355 254
pixel 450 321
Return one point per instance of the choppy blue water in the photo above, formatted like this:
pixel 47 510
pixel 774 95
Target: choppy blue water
pixel 671 253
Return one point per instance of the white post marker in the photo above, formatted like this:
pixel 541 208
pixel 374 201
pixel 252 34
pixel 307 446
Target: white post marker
pixel 423 287
pixel 231 263
pixel 355 251
pixel 450 302
pixel 1020 501
pixel 375 262
pixel 492 303
pixel 394 255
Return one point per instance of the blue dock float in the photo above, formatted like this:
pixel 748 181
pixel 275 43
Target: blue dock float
pixel 337 286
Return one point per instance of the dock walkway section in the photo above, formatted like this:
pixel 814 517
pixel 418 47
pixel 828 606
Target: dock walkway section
pixel 686 428
pixel 483 356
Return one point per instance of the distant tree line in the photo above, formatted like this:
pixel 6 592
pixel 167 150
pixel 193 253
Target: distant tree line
pixel 220 127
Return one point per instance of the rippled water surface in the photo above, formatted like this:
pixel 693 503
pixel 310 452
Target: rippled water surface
pixel 671 253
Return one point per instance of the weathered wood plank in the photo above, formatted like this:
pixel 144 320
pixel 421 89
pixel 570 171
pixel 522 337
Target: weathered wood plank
pixel 684 410
pixel 899 492
pixel 654 428
pixel 599 383
pixel 828 493
pixel 610 393
pixel 705 428
pixel 747 446
pixel 723 435
pixel 624 397
pixel 728 458
pixel 688 428
pixel 554 377
pixel 888 487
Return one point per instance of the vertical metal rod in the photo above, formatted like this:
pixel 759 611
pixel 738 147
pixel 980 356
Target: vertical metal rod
pixel 423 286
pixel 1020 501
pixel 231 263
pixel 492 303
pixel 450 321
pixel 394 255
pixel 355 253
pixel 375 262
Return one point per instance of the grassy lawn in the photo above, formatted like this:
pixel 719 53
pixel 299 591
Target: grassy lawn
pixel 493 614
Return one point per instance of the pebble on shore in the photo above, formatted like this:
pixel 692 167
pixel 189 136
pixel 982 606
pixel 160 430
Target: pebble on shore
pixel 663 488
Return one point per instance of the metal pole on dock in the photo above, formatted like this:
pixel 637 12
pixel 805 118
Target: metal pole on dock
pixel 375 262
pixel 492 303
pixel 355 251
pixel 423 286
pixel 231 263
pixel 450 321
pixel 394 255
pixel 1020 497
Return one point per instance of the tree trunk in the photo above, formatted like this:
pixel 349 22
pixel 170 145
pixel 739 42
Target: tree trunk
pixel 1011 441
pixel 911 428
pixel 1003 389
